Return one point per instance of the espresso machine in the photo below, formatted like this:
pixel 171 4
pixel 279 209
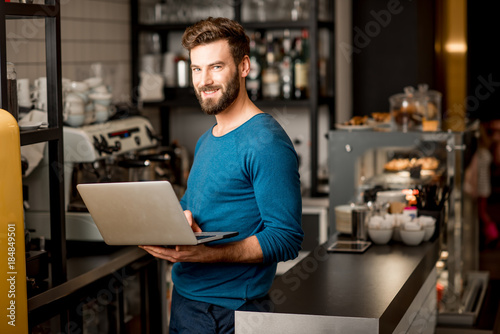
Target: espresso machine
pixel 92 153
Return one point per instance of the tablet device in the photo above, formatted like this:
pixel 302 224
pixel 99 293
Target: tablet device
pixel 141 213
pixel 349 246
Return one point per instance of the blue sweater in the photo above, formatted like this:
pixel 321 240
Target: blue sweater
pixel 245 181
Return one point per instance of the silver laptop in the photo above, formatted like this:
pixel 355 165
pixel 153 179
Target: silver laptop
pixel 141 213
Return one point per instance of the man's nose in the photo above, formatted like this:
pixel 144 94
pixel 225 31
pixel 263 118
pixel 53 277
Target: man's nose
pixel 206 78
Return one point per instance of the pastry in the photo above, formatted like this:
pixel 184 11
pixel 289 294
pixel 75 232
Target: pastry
pixel 357 120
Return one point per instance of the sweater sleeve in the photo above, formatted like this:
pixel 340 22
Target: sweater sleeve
pixel 276 181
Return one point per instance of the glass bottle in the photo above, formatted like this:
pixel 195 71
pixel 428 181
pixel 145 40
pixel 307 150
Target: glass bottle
pixel 12 105
pixel 286 67
pixel 297 12
pixel 270 75
pixel 301 67
pixel 253 81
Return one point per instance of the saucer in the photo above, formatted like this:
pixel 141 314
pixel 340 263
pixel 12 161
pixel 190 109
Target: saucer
pixel 30 125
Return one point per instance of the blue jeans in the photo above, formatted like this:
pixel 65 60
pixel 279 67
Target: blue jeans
pixel 190 316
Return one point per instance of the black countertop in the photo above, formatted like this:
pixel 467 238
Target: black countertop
pixel 378 284
pixel 84 270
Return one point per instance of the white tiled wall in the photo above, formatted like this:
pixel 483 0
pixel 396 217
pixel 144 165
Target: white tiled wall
pixel 92 31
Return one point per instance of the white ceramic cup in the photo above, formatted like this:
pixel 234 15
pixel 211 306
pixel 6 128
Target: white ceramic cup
pixel 40 93
pixel 74 107
pixel 75 120
pixel 41 84
pixel 73 104
pixel 66 84
pixel 101 108
pixel 93 82
pixel 102 89
pixel 23 92
pixel 74 97
pixel 101 98
pixel 101 116
pixel 89 115
pixel 79 86
pixel 40 99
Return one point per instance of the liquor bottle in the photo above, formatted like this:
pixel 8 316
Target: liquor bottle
pixel 286 67
pixel 270 74
pixel 253 81
pixel 301 67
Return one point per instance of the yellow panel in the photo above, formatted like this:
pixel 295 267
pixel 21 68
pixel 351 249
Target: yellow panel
pixel 454 53
pixel 13 296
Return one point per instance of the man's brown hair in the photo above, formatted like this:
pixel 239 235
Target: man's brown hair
pixel 214 29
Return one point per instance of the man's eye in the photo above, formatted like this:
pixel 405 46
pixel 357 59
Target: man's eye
pixel 217 67
pixel 196 69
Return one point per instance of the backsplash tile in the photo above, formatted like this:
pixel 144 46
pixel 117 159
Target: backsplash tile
pixel 92 31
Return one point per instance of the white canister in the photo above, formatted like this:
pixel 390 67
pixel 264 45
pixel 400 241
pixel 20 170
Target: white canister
pixel 183 72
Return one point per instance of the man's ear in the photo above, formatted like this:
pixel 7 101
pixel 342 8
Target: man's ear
pixel 244 66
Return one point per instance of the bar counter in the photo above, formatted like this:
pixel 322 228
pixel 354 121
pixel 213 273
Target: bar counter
pixel 383 290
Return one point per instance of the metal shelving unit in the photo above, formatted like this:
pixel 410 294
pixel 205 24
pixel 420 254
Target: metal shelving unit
pixel 312 24
pixel 53 134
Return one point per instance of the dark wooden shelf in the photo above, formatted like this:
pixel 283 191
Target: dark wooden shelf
pixel 252 25
pixel 329 24
pixel 257 25
pixel 40 135
pixel 162 27
pixel 192 102
pixel 22 10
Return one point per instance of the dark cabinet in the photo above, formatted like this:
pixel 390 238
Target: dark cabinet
pixel 53 134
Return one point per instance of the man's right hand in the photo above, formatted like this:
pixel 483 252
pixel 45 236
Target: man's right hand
pixel 192 223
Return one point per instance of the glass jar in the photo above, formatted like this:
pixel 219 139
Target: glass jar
pixel 12 105
pixel 432 117
pixel 416 110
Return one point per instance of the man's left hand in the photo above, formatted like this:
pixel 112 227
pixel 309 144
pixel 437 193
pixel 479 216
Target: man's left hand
pixel 198 253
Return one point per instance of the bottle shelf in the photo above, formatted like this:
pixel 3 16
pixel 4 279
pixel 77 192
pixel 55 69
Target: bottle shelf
pixel 192 102
pixel 250 25
pixel 22 10
pixel 162 27
pixel 270 25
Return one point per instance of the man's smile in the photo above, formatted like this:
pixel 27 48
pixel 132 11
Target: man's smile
pixel 210 92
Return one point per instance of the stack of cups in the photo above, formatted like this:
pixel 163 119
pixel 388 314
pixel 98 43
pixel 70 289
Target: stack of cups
pixel 86 102
pixel 74 109
pixel 100 98
pixel 75 104
pixel 40 93
pixel 102 106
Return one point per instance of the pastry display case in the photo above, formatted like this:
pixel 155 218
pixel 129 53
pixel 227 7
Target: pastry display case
pixel 364 162
pixel 429 168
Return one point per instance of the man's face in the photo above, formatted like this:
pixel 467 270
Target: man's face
pixel 216 78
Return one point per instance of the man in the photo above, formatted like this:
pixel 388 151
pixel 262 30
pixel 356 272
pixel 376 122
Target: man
pixel 245 178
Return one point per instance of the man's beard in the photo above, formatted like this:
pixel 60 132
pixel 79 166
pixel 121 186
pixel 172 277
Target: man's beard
pixel 211 106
